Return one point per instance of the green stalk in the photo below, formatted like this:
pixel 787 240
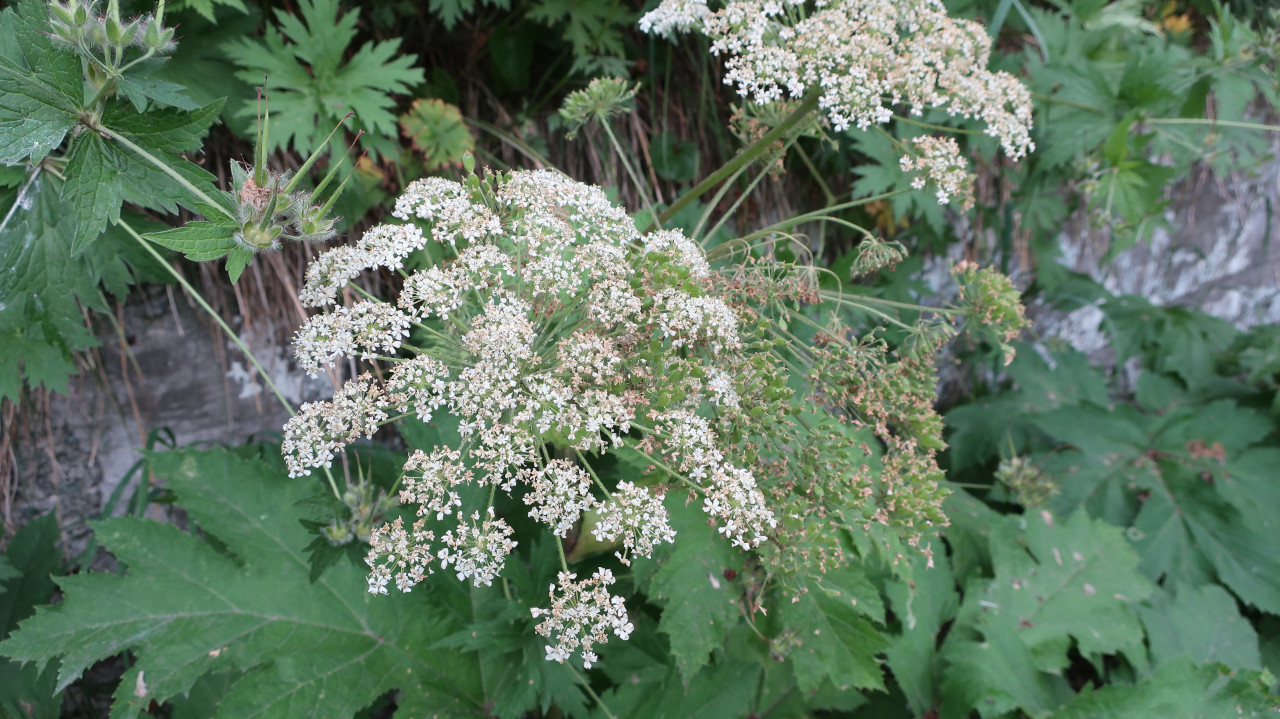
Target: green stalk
pixel 745 194
pixel 743 158
pixel 626 165
pixel 818 214
pixel 182 281
pixel 1205 121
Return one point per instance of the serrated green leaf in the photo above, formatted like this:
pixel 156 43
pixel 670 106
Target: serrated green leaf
pixel 834 631
pixel 36 76
pixel 200 241
pixel 41 324
pixel 1076 578
pixel 30 138
pixel 166 131
pixel 1179 689
pixel 138 89
pixel 146 186
pixel 186 609
pixel 996 676
pixel 1202 623
pixel 40 86
pixel 1057 584
pixel 237 259
pixel 699 605
pixel 923 606
pixel 26 582
pixel 718 690
pixel 91 191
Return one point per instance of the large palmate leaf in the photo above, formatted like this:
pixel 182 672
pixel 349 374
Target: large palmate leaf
pixel 1202 623
pixel 1057 585
pixel 187 608
pixel 923 606
pixel 316 81
pixel 1173 478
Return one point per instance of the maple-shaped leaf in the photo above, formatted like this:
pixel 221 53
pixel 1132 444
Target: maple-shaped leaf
pixel 1075 579
pixel 437 132
pixel 923 605
pixel 1057 583
pixel 1186 483
pixel 187 608
pixel 313 84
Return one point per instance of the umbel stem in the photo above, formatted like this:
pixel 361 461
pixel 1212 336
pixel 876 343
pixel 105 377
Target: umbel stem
pixel 742 159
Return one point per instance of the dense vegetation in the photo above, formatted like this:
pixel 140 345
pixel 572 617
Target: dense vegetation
pixel 698 402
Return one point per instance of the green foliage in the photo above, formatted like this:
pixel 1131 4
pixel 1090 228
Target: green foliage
pixel 700 605
pixel 188 608
pixel 305 60
pixel 81 156
pixel 594 30
pixel 26 581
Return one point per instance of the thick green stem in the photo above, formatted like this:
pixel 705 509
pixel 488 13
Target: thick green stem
pixel 564 563
pixel 195 295
pixel 747 156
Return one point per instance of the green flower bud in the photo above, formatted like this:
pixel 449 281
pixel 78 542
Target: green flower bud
pixel 151 36
pixel 115 33
pixel 98 33
pixel 64 15
pixel 258 238
pixel 130 33
pixel 338 534
pixel 81 15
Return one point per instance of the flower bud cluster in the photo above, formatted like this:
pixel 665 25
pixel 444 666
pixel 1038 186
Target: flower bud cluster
pixel 102 36
pixel 993 303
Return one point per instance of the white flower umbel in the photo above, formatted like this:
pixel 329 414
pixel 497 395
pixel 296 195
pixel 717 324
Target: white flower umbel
pixel 939 163
pixel 582 615
pixel 561 493
pixel 477 552
pixel 862 57
pixel 320 430
pixel 430 481
pixel 405 556
pixel 552 330
pixel 635 516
